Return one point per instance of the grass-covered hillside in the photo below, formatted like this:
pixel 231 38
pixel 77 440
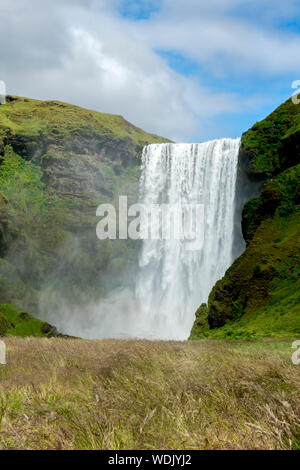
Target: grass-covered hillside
pixel 273 145
pixel 58 162
pixel 14 322
pixel 26 118
pixel 76 394
pixel 260 293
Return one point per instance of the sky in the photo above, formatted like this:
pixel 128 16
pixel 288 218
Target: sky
pixel 189 70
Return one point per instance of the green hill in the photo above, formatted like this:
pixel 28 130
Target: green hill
pixel 58 162
pixel 14 322
pixel 27 118
pixel 260 293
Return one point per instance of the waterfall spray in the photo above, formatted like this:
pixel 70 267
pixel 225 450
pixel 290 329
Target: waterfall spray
pixel 172 282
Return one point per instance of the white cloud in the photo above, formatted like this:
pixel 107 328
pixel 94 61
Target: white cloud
pixel 90 58
pixel 214 33
pixel 83 52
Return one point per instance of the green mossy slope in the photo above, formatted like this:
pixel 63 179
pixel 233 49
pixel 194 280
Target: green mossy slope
pixel 25 117
pixel 14 322
pixel 201 326
pixel 58 162
pixel 259 295
pixel 273 144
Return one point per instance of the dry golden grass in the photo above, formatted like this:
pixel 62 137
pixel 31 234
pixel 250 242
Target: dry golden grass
pixel 76 394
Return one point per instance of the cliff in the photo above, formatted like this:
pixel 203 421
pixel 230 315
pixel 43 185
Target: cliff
pixel 260 293
pixel 58 162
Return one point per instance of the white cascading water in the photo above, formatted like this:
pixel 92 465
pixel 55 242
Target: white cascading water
pixel 172 282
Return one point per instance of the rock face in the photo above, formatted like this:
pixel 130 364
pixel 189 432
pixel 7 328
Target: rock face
pixel 260 292
pixel 58 162
pixel 200 326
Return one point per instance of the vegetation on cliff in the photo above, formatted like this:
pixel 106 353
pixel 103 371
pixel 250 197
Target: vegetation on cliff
pixel 201 326
pixel 58 162
pixel 260 293
pixel 273 144
pixel 25 118
pixel 14 322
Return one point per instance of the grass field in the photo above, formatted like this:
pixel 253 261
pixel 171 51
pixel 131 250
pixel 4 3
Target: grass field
pixel 114 394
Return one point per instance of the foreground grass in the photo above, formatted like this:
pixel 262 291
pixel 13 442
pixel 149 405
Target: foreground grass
pixel 112 394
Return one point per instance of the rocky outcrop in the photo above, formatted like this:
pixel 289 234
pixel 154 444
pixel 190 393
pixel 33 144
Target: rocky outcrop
pixel 201 326
pixel 14 322
pixel 58 163
pixel 260 291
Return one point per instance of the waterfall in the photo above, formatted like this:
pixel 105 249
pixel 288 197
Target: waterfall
pixel 172 282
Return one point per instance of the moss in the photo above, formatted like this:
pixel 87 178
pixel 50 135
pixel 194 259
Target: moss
pixel 251 217
pixel 270 264
pixel 35 217
pixel 30 199
pixel 259 295
pixel 58 163
pixel 4 325
pixel 268 143
pixel 260 287
pixel 279 197
pixel 201 326
pixel 14 322
pixel 27 117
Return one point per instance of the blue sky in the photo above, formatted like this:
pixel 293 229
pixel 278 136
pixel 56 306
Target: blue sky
pixel 139 9
pixel 274 89
pixel 190 70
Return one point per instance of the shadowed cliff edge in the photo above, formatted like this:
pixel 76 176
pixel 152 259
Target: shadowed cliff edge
pixel 260 293
pixel 58 162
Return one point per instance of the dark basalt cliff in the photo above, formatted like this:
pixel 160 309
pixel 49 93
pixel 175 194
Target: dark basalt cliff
pixel 260 293
pixel 58 162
